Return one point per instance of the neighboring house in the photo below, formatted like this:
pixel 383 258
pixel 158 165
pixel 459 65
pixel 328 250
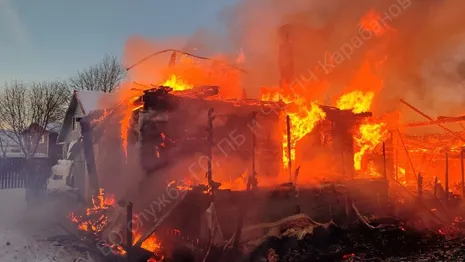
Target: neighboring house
pixel 82 103
pixel 46 144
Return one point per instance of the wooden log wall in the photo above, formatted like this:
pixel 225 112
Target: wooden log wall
pixel 319 203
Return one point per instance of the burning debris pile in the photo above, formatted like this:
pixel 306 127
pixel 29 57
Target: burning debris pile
pixel 104 225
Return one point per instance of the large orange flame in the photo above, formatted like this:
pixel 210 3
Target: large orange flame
pixel 368 137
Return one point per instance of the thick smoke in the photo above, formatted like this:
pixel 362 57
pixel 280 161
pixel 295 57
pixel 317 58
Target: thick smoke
pixel 422 52
pixel 424 40
pixel 423 62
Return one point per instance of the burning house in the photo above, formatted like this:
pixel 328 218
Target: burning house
pixel 230 147
pixel 190 160
pixel 237 165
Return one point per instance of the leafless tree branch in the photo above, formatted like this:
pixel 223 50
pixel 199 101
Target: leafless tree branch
pixel 27 109
pixel 104 76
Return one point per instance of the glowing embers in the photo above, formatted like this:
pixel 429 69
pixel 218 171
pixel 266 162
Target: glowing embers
pixel 94 220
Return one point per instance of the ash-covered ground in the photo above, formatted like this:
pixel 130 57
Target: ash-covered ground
pixel 392 241
pixel 32 234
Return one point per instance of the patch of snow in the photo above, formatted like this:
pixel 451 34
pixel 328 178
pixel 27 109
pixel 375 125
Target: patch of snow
pixel 91 100
pixel 25 232
pixel 12 203
pixel 18 247
pixel 71 144
pixel 57 182
pixel 54 127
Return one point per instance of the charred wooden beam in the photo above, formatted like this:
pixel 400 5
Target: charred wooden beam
pixel 462 169
pixel 289 150
pixel 407 153
pixel 439 120
pixel 420 186
pixel 431 119
pixel 210 118
pixel 384 161
pixel 251 184
pixel 446 182
pixel 162 219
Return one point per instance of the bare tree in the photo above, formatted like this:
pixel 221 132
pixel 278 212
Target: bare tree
pixel 4 143
pixel 27 109
pixel 104 76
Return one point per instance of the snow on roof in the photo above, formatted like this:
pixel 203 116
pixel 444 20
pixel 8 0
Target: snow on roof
pixel 89 100
pixel 93 100
pixel 53 127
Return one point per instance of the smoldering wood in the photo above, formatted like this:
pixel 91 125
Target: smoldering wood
pixel 421 204
pixel 270 206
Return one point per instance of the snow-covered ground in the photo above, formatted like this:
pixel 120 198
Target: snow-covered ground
pixel 25 233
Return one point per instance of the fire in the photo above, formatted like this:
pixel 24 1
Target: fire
pixel 372 21
pixel 94 220
pixel 303 116
pixel 151 244
pixel 357 101
pixel 184 185
pixel 239 183
pixel 173 81
pixel 368 137
pixel 102 117
pixel 125 123
pixel 177 83
pixel 372 171
pixel 303 119
pixel 401 178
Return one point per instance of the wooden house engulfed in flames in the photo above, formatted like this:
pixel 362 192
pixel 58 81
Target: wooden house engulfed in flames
pixel 165 135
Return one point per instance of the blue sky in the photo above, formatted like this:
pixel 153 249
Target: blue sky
pixel 52 39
